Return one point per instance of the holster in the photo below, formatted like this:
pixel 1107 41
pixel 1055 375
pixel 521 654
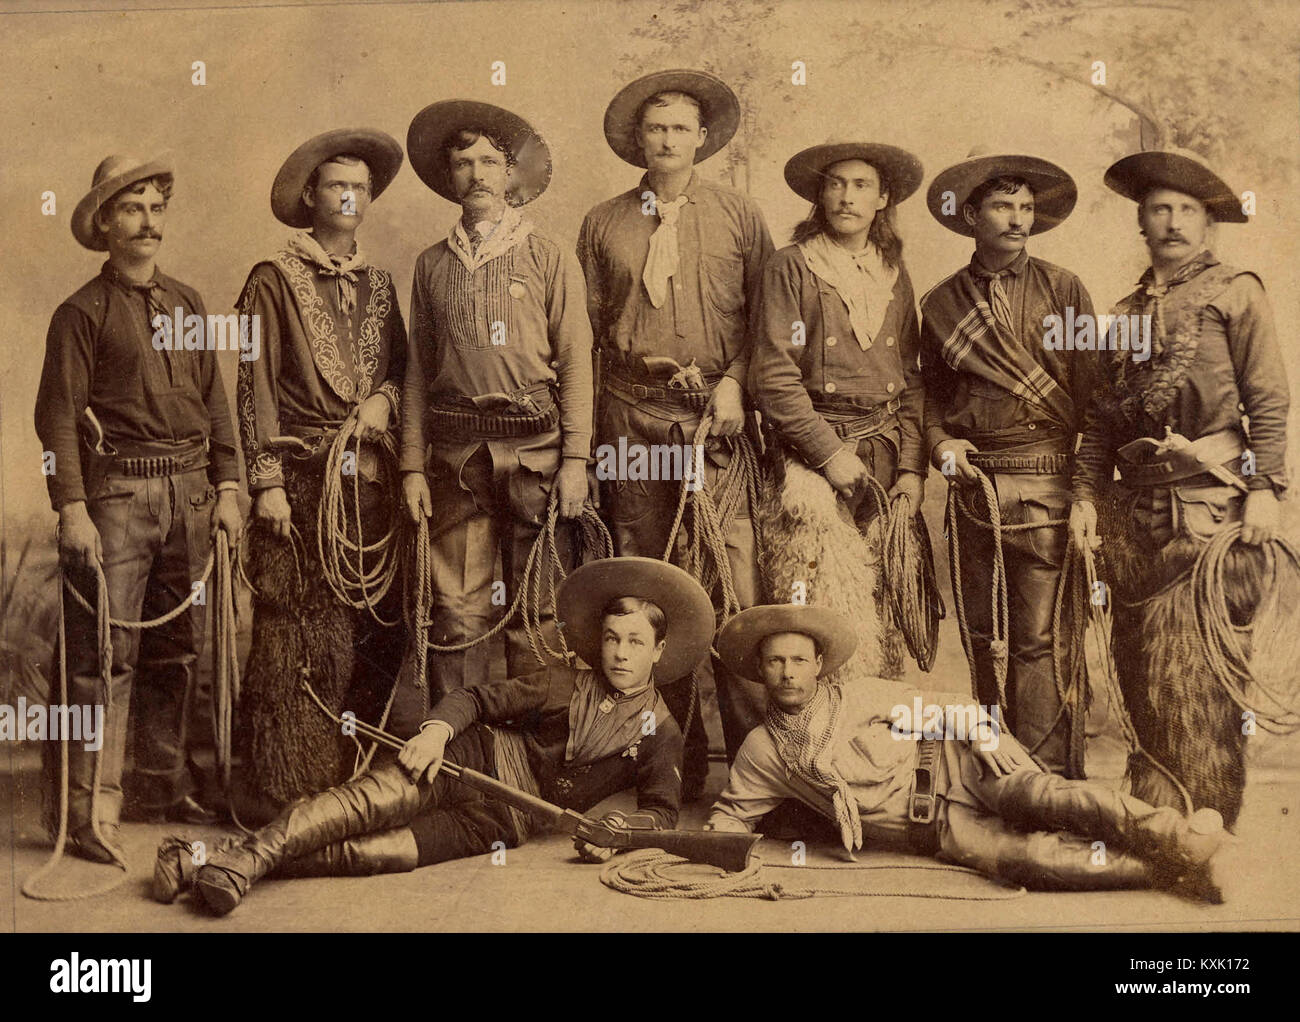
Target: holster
pixel 923 799
pixel 1150 462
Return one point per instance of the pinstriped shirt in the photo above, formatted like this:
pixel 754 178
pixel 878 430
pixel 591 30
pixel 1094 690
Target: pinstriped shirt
pixel 517 320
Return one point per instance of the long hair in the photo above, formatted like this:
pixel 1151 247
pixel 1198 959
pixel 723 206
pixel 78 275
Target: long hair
pixel 883 232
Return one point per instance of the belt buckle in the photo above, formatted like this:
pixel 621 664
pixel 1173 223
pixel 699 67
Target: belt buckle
pixel 920 803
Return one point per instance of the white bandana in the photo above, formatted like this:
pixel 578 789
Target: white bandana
pixel 861 279
pixel 661 261
pixel 495 239
pixel 344 270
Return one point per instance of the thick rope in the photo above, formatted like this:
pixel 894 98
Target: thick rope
pixel 705 557
pixel 1225 651
pixel 649 873
pixel 103 626
pixel 535 591
pixel 910 581
pixel 342 558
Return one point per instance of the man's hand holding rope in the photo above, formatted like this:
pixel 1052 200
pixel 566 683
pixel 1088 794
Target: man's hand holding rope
pixel 949 458
pixel 571 484
pixel 1083 525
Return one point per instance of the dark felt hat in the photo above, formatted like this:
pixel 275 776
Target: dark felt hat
pixel 1180 170
pixel 686 606
pixel 739 639
pixel 900 171
pixel 1054 189
pixel 382 153
pixel 112 175
pixel 719 108
pixel 433 126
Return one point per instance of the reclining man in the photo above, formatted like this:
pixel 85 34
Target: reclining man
pixel 572 736
pixel 976 798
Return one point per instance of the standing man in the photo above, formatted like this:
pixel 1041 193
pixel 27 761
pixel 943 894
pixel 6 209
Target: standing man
pixel 499 390
pixel 1190 467
pixel 673 269
pixel 835 352
pixel 333 350
pixel 143 473
pixel 998 400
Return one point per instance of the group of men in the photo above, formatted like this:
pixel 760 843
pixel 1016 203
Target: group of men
pixel 489 408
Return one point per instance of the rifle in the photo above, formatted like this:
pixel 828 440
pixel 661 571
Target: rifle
pixel 725 849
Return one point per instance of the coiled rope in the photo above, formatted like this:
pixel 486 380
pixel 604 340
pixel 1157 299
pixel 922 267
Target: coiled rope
pixel 534 596
pixel 910 580
pixel 651 873
pixel 1222 640
pixel 342 558
pixel 705 557
pixel 1069 673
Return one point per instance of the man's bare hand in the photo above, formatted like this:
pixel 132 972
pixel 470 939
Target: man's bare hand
pixel 372 417
pixel 422 755
pixel 846 473
pixel 225 516
pixel 416 496
pixel 571 486
pixel 1083 525
pixel 911 485
pixel 727 406
pixel 272 507
pixel 949 458
pixel 1259 517
pixel 999 751
pixel 79 544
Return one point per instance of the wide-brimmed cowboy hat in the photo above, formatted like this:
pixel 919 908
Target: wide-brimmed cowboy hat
pixel 686 606
pixel 901 173
pixel 427 138
pixel 111 176
pixel 382 153
pixel 1054 189
pixel 1180 170
pixel 739 639
pixel 719 111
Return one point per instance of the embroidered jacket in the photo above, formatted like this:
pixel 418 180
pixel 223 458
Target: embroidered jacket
pixel 316 364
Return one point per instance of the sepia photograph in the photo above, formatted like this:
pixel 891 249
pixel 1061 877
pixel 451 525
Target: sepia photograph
pixel 662 466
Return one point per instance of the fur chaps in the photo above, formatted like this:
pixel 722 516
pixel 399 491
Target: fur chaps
pixel 1182 714
pixel 808 536
pixel 289 748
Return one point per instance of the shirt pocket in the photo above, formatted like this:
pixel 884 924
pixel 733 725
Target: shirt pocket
pixel 724 282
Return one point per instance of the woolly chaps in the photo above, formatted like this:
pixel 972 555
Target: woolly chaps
pixel 1182 715
pixel 810 544
pixel 289 748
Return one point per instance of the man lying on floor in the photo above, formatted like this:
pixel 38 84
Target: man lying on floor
pixel 574 737
pixel 856 755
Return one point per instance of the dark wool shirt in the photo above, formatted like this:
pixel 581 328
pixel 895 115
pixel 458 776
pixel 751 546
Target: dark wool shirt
pixel 538 706
pixel 962 405
pixel 722 245
pixel 830 370
pixel 99 353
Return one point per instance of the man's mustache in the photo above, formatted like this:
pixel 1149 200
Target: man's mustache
pixel 148 235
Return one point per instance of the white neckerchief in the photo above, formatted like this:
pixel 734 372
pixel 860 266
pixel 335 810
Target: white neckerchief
pixel 344 270
pixel 862 279
pixel 661 260
pixel 500 238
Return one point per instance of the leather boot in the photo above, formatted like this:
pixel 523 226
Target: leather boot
pixel 174 867
pixel 1177 846
pixel 1062 862
pixel 385 851
pixel 378 800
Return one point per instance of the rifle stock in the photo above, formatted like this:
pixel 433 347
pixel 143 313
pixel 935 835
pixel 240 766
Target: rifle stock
pixel 726 850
